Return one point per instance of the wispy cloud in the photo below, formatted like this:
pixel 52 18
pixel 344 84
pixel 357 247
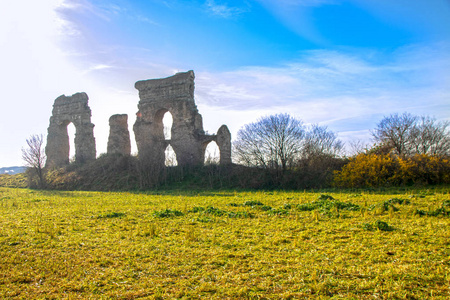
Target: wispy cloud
pixel 296 16
pixel 97 67
pixel 105 11
pixel 431 16
pixel 348 91
pixel 88 7
pixel 330 73
pixel 303 2
pixel 224 10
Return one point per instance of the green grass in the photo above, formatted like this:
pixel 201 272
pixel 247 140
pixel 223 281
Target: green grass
pixel 224 245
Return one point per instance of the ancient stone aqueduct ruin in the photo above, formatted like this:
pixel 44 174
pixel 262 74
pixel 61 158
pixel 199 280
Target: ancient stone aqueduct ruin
pixel 173 94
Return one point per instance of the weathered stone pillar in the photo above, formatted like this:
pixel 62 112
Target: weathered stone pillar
pixel 58 147
pixel 84 143
pixel 70 109
pixel 119 136
pixel 224 143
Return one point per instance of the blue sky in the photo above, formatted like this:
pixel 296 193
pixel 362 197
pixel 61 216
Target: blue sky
pixel 340 63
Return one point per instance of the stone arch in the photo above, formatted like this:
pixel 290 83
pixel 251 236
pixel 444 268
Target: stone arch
pixel 71 132
pixel 70 109
pixel 176 95
pixel 167 121
pixel 170 157
pixel 211 153
pixel 158 123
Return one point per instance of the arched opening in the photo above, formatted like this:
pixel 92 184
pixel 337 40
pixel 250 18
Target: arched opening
pixel 163 124
pixel 71 130
pixel 212 154
pixel 170 157
pixel 167 125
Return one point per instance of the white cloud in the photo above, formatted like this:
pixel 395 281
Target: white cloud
pixel 97 67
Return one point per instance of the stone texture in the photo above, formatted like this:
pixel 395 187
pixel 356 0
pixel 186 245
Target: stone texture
pixel 70 109
pixel 223 141
pixel 188 139
pixel 119 136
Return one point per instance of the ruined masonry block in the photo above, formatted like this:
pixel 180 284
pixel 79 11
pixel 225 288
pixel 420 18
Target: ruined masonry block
pixel 173 94
pixel 119 136
pixel 223 141
pixel 188 139
pixel 70 109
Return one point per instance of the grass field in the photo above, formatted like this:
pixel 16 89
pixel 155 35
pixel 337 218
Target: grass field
pixel 224 245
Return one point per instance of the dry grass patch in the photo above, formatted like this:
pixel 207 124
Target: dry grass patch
pixel 224 245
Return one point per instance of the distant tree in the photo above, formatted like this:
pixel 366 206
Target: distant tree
pixel 273 142
pixel 321 141
pixel 408 135
pixel 319 158
pixel 357 146
pixel 34 157
pixel 431 137
pixel 396 131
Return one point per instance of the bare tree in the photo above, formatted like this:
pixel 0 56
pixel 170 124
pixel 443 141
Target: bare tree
pixel 321 141
pixel 34 157
pixel 273 142
pixel 396 131
pixel 409 134
pixel 431 137
pixel 357 146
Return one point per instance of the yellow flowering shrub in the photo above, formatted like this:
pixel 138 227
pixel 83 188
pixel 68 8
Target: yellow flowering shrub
pixel 424 169
pixel 366 170
pixel 374 170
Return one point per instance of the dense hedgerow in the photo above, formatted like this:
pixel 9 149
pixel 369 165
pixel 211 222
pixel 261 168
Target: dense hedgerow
pixel 16 180
pixel 375 170
pixel 116 172
pixel 369 170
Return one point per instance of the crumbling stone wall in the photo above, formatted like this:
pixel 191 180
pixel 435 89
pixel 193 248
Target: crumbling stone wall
pixel 173 94
pixel 70 109
pixel 188 139
pixel 119 136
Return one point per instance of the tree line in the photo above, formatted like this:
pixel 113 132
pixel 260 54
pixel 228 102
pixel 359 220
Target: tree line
pixel 407 149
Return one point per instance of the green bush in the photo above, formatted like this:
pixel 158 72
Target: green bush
pixel 377 225
pixel 328 205
pixel 167 213
pixel 111 215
